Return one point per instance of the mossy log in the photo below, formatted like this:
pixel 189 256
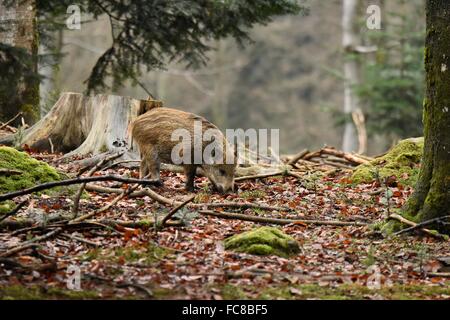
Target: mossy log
pixel 402 161
pixel 28 171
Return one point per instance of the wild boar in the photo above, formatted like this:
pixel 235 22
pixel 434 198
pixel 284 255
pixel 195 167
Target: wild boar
pixel 157 133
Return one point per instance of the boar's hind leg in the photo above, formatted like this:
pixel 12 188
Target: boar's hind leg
pixel 150 166
pixel 150 170
pixel 189 171
pixel 143 169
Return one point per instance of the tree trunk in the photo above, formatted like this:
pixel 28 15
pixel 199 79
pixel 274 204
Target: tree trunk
pixel 431 198
pixel 81 125
pixel 219 111
pixel 355 138
pixel 20 31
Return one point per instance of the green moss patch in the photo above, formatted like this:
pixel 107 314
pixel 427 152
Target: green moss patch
pixel 32 171
pixel 354 292
pixel 6 207
pixel 252 194
pixel 17 292
pixel 402 161
pixel 130 254
pixel 263 241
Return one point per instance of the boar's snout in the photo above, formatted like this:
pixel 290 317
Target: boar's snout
pixel 221 176
pixel 225 188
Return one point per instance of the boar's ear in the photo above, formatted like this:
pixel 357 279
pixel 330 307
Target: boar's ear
pixel 147 105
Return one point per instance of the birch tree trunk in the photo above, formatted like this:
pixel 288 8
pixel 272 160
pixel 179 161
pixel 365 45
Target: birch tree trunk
pixel 20 31
pixel 431 198
pixel 351 101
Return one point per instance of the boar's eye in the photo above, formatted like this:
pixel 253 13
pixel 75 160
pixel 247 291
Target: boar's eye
pixel 222 172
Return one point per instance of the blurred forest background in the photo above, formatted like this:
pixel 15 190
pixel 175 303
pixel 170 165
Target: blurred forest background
pixel 290 78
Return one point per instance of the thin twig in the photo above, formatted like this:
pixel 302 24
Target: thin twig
pixel 120 162
pixel 175 210
pixel 14 211
pixel 91 243
pixel 76 201
pixel 4 125
pixel 124 193
pixel 30 243
pixel 166 201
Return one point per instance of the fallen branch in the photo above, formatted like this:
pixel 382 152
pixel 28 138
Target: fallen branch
pixel 121 162
pixel 439 274
pixel 67 182
pixel 91 243
pixel 175 210
pixel 106 207
pixel 6 124
pixel 166 201
pixel 141 193
pixel 139 224
pixel 421 224
pixel 376 192
pixel 76 200
pixel 9 172
pixel 260 176
pixel 297 157
pixel 12 264
pixel 14 211
pixel 30 243
pixel 123 284
pixel 245 217
pixel 347 156
pixel 241 205
pixel 432 233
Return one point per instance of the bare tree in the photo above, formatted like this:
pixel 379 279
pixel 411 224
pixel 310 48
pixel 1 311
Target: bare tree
pixel 18 29
pixel 355 136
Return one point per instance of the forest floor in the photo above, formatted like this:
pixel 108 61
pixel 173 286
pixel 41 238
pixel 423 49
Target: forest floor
pixel 190 262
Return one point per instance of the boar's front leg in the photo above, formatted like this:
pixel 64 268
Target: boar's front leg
pixel 189 171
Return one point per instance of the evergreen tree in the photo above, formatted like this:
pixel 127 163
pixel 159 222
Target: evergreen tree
pixel 393 82
pixel 147 34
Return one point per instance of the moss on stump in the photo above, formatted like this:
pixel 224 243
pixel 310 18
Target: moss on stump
pixel 402 161
pixel 263 241
pixel 30 171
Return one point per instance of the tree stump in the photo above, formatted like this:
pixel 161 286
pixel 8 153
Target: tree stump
pixel 80 125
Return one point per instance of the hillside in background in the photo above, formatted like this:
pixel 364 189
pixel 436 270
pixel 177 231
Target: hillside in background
pixel 289 78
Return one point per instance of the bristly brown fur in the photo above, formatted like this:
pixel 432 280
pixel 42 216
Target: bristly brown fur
pixel 152 132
